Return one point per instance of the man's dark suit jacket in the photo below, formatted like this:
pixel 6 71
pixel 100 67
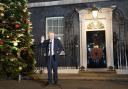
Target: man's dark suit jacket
pixel 57 47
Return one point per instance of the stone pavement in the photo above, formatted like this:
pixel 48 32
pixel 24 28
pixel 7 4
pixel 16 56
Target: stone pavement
pixel 65 84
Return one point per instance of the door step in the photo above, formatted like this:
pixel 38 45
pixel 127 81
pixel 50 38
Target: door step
pixel 97 70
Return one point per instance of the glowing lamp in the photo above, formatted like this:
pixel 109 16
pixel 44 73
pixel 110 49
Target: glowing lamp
pixel 95 12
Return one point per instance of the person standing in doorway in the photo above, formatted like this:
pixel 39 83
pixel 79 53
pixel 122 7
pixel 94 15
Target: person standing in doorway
pixel 53 48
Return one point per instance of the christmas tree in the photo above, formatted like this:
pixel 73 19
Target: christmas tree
pixel 16 55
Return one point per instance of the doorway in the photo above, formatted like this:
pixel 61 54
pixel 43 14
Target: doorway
pixel 96 49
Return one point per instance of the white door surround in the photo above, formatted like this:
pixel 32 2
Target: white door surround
pixel 105 21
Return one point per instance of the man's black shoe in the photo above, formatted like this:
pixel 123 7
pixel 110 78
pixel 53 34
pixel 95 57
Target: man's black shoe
pixel 48 84
pixel 56 83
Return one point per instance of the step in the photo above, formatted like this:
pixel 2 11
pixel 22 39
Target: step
pixel 85 76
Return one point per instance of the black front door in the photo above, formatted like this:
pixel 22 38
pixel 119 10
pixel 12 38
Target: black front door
pixel 96 49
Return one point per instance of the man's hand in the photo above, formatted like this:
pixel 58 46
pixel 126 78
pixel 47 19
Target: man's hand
pixel 62 53
pixel 42 39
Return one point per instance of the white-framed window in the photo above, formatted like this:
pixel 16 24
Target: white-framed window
pixel 56 25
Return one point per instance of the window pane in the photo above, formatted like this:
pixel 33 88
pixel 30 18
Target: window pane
pixel 49 22
pixel 61 22
pixel 49 29
pixel 60 30
pixel 55 30
pixel 55 22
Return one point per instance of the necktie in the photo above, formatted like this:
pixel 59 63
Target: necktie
pixel 50 48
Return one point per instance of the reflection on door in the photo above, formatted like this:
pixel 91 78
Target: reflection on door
pixel 96 50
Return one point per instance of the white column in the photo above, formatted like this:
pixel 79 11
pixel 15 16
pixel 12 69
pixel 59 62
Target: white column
pixel 109 38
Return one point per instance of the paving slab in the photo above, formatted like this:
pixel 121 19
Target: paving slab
pixel 64 84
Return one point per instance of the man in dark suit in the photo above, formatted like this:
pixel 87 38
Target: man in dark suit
pixel 53 48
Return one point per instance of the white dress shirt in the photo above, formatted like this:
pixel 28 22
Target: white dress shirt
pixel 52 47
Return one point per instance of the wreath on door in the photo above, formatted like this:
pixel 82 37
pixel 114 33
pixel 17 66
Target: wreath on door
pixel 97 54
